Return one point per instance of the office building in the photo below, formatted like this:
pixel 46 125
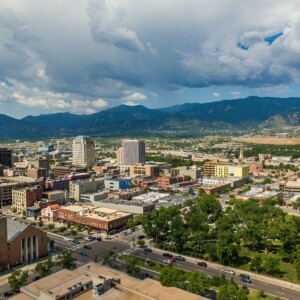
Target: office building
pixel 79 187
pixel 134 152
pixel 120 156
pixel 83 150
pixel 5 157
pixel 117 184
pixel 37 173
pixel 20 243
pixel 144 170
pixel 60 171
pixel 23 198
pixel 193 172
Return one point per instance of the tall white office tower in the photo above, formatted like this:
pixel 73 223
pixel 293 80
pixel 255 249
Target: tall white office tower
pixel 134 152
pixel 83 149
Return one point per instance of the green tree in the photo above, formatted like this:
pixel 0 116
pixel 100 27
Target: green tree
pixel 141 243
pixel 170 276
pixel 271 265
pixel 228 292
pixel 66 260
pixel 73 232
pixel 130 223
pixel 17 279
pixel 209 204
pixel 44 268
pixel 256 263
pixel 62 229
pixel 107 256
pixel 79 227
pixel 296 204
pixel 68 225
pixel 198 283
pixel 178 235
pixel 227 247
pixel 50 226
pixel 89 230
pixel 131 266
pixel 41 223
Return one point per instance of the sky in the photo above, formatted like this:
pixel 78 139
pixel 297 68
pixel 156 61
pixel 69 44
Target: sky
pixel 83 56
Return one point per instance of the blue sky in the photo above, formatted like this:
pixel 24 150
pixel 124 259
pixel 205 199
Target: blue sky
pixel 87 55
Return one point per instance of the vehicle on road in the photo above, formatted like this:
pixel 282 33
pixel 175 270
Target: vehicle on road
pixel 172 259
pixel 67 238
pixel 147 250
pixel 167 261
pixel 13 218
pixel 88 238
pixel 129 231
pixel 229 272
pixel 202 264
pixel 87 247
pixel 244 276
pixel 142 236
pixel 83 254
pixel 98 239
pixel 166 254
pixel 245 279
pixel 178 257
pixel 75 242
pixel 125 233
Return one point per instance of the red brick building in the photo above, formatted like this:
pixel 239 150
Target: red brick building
pixel 163 183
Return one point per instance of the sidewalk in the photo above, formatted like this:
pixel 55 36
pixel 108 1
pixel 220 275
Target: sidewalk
pixel 264 278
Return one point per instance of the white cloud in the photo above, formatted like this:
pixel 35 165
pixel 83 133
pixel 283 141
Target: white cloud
pixel 216 94
pixel 130 103
pixel 135 97
pixel 100 103
pixel 236 94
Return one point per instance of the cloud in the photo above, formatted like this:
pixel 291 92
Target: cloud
pixel 100 103
pixel 54 52
pixel 216 94
pixel 130 103
pixel 135 96
pixel 236 94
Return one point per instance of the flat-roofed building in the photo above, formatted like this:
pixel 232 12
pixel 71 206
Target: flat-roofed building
pixel 99 218
pixel 6 157
pixel 83 151
pixel 94 281
pixel 133 152
pixel 144 170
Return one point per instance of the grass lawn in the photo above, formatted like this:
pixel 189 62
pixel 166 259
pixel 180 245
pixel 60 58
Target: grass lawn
pixel 254 295
pixel 288 269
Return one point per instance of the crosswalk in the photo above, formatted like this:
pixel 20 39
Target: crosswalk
pixel 79 246
pixel 129 251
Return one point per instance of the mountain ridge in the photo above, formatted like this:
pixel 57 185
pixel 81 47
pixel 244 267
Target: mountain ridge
pixel 246 113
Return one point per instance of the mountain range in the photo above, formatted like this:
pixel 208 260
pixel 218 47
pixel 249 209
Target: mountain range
pixel 248 114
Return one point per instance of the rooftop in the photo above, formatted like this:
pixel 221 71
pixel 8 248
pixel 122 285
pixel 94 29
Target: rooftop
pixel 14 228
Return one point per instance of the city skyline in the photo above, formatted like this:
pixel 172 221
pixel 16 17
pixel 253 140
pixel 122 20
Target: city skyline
pixel 88 55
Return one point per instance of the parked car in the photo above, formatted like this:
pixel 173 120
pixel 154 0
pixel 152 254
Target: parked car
pixel 244 276
pixel 147 250
pixel 67 238
pixel 142 236
pixel 98 239
pixel 167 261
pixel 125 233
pixel 129 231
pixel 75 242
pixel 202 264
pixel 245 279
pixel 88 238
pixel 166 254
pixel 229 272
pixel 178 257
pixel 83 254
pixel 13 218
pixel 87 247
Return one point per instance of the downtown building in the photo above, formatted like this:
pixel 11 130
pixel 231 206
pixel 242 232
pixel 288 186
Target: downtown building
pixel 133 152
pixel 5 157
pixel 83 149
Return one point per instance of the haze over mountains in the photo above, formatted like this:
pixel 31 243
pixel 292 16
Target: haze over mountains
pixel 248 113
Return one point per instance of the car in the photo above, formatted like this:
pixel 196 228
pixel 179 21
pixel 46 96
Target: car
pixel 244 276
pixel 98 239
pixel 8 294
pixel 142 236
pixel 13 218
pixel 75 242
pixel 129 231
pixel 147 250
pixel 147 275
pixel 125 233
pixel 166 254
pixel 202 264
pixel 87 238
pixel 67 238
pixel 82 254
pixel 229 272
pixel 245 279
pixel 178 257
pixel 167 261
pixel 172 259
pixel 87 247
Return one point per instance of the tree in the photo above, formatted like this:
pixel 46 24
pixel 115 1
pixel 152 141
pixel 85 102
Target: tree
pixel 131 266
pixel 198 283
pixel 227 247
pixel 89 229
pixel 44 268
pixel 41 223
pixel 256 263
pixel 66 260
pixel 297 266
pixel 178 235
pixel 130 223
pixel 141 243
pixel 79 227
pixel 271 265
pixel 228 292
pixel 24 213
pixel 209 204
pixel 50 226
pixel 68 225
pixel 62 229
pixel 17 279
pixel 296 204
pixel 14 210
pixel 170 276
pixel 73 232
pixel 107 256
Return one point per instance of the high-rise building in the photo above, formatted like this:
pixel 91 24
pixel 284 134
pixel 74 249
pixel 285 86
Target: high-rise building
pixel 5 157
pixel 120 156
pixel 83 151
pixel 134 152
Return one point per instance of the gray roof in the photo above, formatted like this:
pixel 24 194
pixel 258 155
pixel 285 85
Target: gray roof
pixel 14 228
